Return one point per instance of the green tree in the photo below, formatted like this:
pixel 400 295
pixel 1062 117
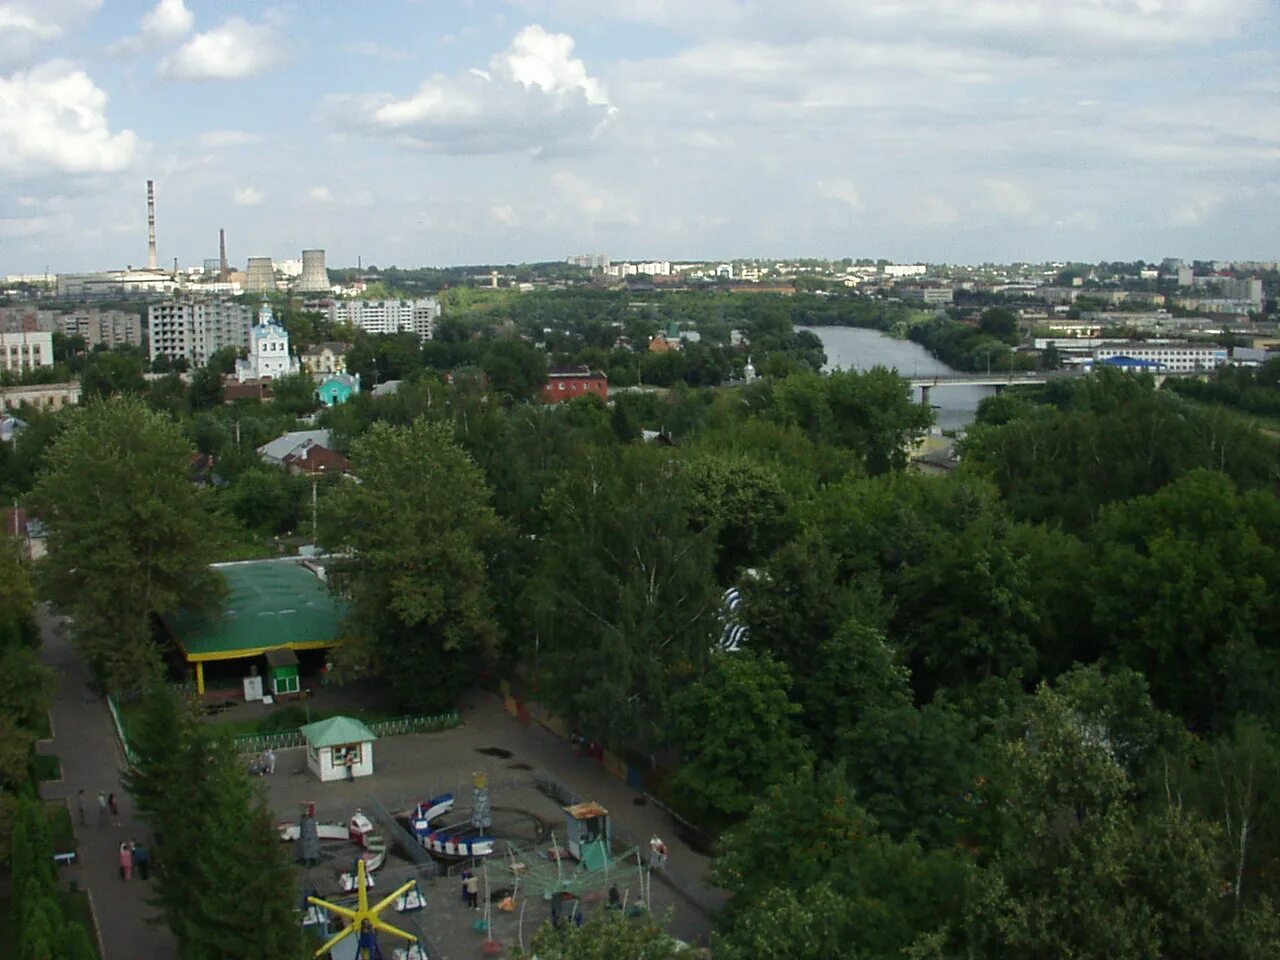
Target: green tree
pixel 214 824
pixel 744 501
pixel 515 369
pixel 295 393
pixel 205 392
pixel 607 935
pixel 128 535
pixel 623 603
pixel 737 732
pixel 111 373
pixel 416 532
pixel 1186 589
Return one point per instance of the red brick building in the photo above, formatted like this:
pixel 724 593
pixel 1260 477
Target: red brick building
pixel 563 385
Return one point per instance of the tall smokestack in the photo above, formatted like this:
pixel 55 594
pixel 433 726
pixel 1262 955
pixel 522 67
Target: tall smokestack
pixel 151 225
pixel 224 269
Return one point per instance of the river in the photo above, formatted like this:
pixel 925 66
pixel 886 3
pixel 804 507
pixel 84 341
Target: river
pixel 853 348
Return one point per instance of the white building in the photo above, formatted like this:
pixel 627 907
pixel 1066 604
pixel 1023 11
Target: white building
pixel 269 357
pixel 196 329
pixel 1234 288
pixel 388 316
pixel 1169 357
pixel 926 295
pixel 25 350
pixel 898 270
pixel 115 283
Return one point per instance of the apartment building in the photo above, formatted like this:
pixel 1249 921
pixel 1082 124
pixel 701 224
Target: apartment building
pixel 196 329
pixel 388 316
pixel 25 350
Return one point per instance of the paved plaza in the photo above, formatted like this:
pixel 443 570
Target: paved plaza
pixel 414 767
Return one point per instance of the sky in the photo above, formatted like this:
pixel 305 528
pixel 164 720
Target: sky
pixel 423 132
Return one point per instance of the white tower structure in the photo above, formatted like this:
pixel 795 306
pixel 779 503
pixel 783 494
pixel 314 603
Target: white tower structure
pixel 269 357
pixel 314 278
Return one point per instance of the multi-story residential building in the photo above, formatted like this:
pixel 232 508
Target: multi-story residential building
pixel 109 328
pixel 899 270
pixel 388 316
pixel 25 350
pixel 1167 356
pixel 196 329
pixel 20 319
pixel 1234 288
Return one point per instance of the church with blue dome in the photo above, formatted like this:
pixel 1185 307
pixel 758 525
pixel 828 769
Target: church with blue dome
pixel 269 357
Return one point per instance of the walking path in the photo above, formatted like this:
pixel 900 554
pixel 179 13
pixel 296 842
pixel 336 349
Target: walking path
pixel 84 740
pixel 687 871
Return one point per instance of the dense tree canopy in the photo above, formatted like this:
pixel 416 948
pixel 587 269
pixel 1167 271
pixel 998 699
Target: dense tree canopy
pixel 415 533
pixel 129 536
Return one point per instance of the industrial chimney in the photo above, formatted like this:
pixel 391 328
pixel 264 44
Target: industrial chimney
pixel 151 225
pixel 314 277
pixel 224 268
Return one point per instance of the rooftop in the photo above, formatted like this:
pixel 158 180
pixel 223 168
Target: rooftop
pixel 337 732
pixel 270 604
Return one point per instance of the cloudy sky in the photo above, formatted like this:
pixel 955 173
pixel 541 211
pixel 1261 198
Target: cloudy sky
pixel 431 132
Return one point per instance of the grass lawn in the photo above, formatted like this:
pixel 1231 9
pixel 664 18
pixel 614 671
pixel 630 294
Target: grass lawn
pixel 43 728
pixel 48 768
pixel 75 907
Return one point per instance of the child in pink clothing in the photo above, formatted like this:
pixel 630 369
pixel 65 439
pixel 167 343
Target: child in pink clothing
pixel 126 862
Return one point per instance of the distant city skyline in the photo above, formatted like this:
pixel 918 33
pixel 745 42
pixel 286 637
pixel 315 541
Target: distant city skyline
pixel 496 131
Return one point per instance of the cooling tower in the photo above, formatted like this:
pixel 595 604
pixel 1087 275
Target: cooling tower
pixel 314 278
pixel 151 225
pixel 260 277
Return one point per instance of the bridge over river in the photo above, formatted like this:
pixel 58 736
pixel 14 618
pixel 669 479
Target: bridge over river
pixel 997 379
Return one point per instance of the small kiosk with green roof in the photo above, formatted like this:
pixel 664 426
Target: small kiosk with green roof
pixel 272 605
pixel 340 748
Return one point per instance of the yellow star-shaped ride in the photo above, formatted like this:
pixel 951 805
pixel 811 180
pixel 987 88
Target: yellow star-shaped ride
pixel 363 915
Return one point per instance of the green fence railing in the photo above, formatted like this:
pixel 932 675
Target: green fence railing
pixel 283 739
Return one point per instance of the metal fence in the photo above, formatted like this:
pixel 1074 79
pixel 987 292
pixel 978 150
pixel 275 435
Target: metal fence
pixel 282 740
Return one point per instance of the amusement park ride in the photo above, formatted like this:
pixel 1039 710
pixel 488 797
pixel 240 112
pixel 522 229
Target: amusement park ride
pixel 564 876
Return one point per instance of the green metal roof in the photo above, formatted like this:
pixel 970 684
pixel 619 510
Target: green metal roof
pixel 337 732
pixel 270 603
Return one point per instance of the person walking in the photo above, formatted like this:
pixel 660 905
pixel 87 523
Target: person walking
pixel 472 886
pixel 102 807
pixel 114 808
pixel 84 821
pixel 142 860
pixel 271 761
pixel 351 766
pixel 126 862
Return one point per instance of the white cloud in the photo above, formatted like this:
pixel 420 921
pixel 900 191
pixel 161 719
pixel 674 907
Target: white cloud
pixel 504 214
pixel 168 20
pixel 1042 23
pixel 1193 209
pixel 533 96
pixel 1010 199
pixel 248 197
pixel 320 195
pixel 842 191
pixel 53 117
pixel 236 49
pixel 595 204
pixel 376 51
pixel 217 139
pixel 165 23
pixel 27 26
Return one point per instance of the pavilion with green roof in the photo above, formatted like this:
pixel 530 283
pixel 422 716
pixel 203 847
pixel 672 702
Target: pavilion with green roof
pixel 271 605
pixel 339 748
